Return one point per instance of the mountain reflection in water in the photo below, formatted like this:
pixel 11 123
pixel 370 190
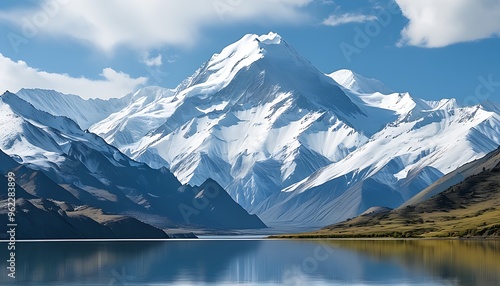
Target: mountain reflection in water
pixel 256 262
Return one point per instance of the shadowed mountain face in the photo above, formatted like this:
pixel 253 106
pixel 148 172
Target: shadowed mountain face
pixel 59 164
pixel 56 217
pixel 44 219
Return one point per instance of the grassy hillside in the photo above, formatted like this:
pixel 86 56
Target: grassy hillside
pixel 487 162
pixel 468 209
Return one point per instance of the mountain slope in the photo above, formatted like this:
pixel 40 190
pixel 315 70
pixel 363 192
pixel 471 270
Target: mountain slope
pixel 90 172
pixel 83 112
pixel 397 163
pixel 487 162
pixel 56 218
pixel 147 109
pixel 466 209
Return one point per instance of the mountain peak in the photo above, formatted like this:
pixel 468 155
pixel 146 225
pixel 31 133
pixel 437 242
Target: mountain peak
pixel 269 39
pixel 261 40
pixel 266 56
pixel 266 62
pixel 244 52
pixel 358 83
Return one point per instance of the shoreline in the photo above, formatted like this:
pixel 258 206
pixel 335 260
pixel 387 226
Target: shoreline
pixel 272 237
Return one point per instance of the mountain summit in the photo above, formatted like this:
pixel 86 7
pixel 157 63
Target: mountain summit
pixel 259 69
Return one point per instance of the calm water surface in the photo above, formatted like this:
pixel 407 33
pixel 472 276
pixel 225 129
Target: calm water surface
pixel 255 262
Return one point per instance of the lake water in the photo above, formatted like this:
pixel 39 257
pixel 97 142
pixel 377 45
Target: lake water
pixel 255 262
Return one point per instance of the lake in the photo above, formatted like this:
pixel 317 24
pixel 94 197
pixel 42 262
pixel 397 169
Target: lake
pixel 255 262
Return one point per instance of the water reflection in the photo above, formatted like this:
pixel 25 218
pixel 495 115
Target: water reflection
pixel 257 262
pixel 455 261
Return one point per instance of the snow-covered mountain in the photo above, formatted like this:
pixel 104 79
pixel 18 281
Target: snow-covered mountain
pixel 358 83
pixel 428 140
pixel 81 169
pixel 293 144
pixel 148 108
pixel 84 112
pixel 256 118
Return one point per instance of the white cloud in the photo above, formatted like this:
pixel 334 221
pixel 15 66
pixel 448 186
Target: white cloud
pixel 17 75
pixel 152 61
pixel 439 23
pixel 150 24
pixel 337 20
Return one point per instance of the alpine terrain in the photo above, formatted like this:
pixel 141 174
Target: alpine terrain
pixel 288 142
pixel 67 172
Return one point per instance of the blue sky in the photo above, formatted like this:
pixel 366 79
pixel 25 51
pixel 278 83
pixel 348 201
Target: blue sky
pixel 432 48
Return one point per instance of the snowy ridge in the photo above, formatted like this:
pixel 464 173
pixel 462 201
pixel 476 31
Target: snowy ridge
pixel 39 138
pixel 355 82
pixel 84 112
pixel 146 110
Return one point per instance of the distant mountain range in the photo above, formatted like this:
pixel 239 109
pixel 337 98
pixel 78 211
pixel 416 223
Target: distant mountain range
pixel 286 141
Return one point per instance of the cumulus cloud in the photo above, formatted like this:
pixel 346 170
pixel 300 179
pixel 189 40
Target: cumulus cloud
pixel 17 75
pixel 149 24
pixel 337 20
pixel 439 23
